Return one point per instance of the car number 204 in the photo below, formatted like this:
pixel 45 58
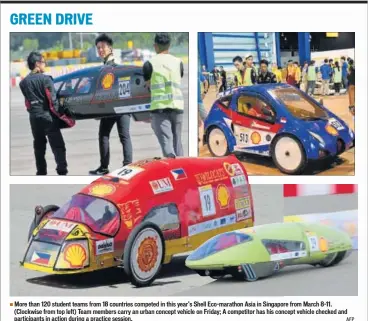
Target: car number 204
pixel 124 89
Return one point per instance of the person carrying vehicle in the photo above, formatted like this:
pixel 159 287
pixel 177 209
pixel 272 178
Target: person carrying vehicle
pixel 104 46
pixel 265 76
pixel 337 77
pixel 44 110
pixel 326 74
pixel 245 74
pixel 163 74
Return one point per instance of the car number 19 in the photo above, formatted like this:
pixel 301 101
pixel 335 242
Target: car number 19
pixel 207 201
pixel 124 89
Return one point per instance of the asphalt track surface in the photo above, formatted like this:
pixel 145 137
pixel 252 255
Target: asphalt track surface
pixel 175 279
pixel 257 165
pixel 82 141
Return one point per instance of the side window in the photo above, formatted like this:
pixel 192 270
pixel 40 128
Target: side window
pixel 255 107
pixel 69 86
pixel 166 217
pixel 225 101
pixel 57 85
pixel 85 85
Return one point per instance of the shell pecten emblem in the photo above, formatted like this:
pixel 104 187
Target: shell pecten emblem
pixel 256 138
pixel 147 254
pixel 108 81
pixel 75 255
pixel 223 196
pixel 331 130
pixel 102 189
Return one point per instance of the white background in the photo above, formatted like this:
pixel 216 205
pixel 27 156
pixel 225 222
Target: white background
pixel 211 18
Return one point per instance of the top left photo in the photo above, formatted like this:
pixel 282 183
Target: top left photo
pixel 89 103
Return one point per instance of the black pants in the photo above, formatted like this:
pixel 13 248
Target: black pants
pixel 123 126
pixel 337 86
pixel 44 127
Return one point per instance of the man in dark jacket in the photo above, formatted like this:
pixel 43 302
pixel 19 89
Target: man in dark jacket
pixel 104 47
pixel 265 76
pixel 44 113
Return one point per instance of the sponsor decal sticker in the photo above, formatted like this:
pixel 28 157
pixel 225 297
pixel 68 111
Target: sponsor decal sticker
pixel 102 189
pixel 222 196
pixel 268 137
pixel 336 124
pixel 210 225
pixel 126 172
pixel 256 125
pixel 331 130
pixel 207 200
pixel 75 255
pixel 323 244
pixel 212 176
pixel 178 174
pixel 105 246
pixel 161 185
pixel 255 138
pixel 233 169
pixel 40 258
pixel 62 226
pixel 288 255
pixel 243 214
pixel 241 203
pixel 239 180
pixel 147 254
pixel 130 211
pixel 108 81
pixel 313 241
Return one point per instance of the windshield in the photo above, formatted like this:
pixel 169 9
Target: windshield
pixel 219 243
pixel 99 214
pixel 298 105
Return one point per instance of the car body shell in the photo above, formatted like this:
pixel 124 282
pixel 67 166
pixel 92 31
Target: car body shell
pixel 104 91
pixel 266 248
pixel 261 132
pixel 204 196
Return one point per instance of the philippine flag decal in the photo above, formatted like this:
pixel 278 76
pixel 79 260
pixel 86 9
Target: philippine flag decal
pixel 40 258
pixel 178 174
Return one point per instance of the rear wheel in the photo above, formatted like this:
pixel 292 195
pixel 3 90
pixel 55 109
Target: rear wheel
pixel 44 211
pixel 288 154
pixel 333 259
pixel 217 142
pixel 144 253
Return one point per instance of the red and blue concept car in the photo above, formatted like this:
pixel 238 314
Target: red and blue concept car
pixel 278 121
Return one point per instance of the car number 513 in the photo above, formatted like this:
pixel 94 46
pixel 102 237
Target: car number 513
pixel 124 89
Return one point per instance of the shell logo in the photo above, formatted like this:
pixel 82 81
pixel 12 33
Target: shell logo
pixel 331 130
pixel 108 81
pixel 323 244
pixel 223 195
pixel 255 138
pixel 147 254
pixel 75 255
pixel 102 190
pixel 229 169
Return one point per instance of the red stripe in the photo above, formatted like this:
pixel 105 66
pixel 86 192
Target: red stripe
pixel 70 122
pixel 343 188
pixel 290 190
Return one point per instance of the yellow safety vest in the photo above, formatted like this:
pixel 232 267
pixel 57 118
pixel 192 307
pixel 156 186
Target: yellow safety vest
pixel 166 82
pixel 247 80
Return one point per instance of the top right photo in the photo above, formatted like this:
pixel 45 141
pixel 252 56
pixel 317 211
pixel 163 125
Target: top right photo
pixel 282 102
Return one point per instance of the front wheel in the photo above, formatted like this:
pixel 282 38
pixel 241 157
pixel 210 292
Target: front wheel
pixel 217 142
pixel 288 155
pixel 144 253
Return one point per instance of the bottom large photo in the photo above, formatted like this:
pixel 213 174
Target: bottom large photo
pixel 183 227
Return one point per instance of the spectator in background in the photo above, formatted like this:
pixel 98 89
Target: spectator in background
pixel 298 74
pixel 215 77
pixel 202 114
pixel 351 86
pixel 223 82
pixel 244 76
pixel 344 67
pixel 337 77
pixel 326 76
pixel 290 73
pixel 305 76
pixel 205 73
pixel 277 72
pixel 312 77
pixel 265 76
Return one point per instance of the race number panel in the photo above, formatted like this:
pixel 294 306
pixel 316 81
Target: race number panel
pixel 313 243
pixel 124 88
pixel 242 136
pixel 252 137
pixel 207 200
pixel 126 172
pixel 336 124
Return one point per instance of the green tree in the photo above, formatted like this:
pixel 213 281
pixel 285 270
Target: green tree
pixel 30 44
